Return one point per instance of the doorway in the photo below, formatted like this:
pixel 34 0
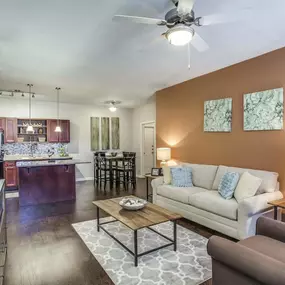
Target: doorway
pixel 148 147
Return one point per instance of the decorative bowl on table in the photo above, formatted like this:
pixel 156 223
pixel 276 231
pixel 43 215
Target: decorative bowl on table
pixel 132 204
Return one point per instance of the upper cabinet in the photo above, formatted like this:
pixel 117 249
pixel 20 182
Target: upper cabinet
pixel 63 136
pixel 2 123
pixel 52 136
pixel 10 130
pixel 44 130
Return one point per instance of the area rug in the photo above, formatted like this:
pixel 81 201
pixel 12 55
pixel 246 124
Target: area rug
pixel 189 265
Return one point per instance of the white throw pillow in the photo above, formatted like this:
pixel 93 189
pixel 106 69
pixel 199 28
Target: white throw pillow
pixel 247 186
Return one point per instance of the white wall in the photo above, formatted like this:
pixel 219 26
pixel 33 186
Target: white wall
pixel 141 114
pixel 79 116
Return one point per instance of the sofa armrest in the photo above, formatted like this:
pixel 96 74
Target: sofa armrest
pixel 257 204
pixel 155 183
pixel 271 228
pixel 253 264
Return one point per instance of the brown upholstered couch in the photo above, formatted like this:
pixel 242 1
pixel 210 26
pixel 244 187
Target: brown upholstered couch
pixel 258 260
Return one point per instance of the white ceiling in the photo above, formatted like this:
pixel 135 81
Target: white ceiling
pixel 75 44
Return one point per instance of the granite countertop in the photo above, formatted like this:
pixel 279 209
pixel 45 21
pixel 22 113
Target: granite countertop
pixel 25 157
pixel 49 163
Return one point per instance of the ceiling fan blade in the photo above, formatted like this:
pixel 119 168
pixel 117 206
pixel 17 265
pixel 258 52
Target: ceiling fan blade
pixel 199 44
pixel 185 6
pixel 140 20
pixel 217 19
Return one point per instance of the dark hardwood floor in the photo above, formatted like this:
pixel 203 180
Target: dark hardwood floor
pixel 43 249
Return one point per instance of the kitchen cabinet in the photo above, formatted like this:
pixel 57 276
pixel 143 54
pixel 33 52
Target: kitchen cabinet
pixel 10 130
pixel 11 175
pixel 2 124
pixel 54 137
pixel 64 136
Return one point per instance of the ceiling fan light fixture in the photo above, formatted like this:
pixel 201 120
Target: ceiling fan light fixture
pixel 112 105
pixel 113 108
pixel 180 35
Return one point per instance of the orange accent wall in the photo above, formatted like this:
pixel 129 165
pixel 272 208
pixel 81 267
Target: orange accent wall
pixel 180 117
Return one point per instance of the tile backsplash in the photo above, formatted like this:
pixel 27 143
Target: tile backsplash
pixel 38 148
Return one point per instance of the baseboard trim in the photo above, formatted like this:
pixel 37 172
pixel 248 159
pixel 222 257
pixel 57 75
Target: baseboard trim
pixel 84 179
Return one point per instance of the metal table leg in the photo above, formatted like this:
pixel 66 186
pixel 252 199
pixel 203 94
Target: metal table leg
pixel 174 235
pixel 275 212
pixel 146 179
pixel 136 247
pixel 98 220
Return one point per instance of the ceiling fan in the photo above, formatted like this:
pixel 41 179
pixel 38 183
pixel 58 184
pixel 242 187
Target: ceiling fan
pixel 179 21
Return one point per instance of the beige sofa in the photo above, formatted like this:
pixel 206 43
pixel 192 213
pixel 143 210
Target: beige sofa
pixel 204 205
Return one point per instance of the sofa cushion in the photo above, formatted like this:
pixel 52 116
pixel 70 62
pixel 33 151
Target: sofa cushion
pixel 166 174
pixel 269 179
pixel 228 185
pixel 267 246
pixel 177 193
pixel 213 202
pixel 247 186
pixel 181 176
pixel 202 175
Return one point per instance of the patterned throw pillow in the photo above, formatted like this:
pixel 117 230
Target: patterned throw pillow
pixel 181 176
pixel 228 184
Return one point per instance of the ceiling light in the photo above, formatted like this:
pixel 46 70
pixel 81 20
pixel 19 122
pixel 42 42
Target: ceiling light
pixel 179 35
pixel 30 129
pixel 58 128
pixel 113 108
pixel 112 105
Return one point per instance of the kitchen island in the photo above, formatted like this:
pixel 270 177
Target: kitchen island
pixel 42 182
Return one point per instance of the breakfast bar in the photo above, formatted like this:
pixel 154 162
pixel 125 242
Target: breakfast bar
pixel 43 182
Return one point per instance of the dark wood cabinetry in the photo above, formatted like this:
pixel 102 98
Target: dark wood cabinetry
pixel 11 174
pixel 9 126
pixel 44 130
pixel 11 130
pixel 46 184
pixel 52 136
pixel 63 136
pixel 2 123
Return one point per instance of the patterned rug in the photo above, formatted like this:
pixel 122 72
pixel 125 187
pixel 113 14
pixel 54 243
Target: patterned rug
pixel 189 265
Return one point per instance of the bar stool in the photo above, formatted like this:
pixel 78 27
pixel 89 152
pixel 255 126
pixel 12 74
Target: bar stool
pixel 126 170
pixel 104 170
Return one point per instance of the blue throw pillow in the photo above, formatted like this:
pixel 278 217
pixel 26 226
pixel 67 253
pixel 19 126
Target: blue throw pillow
pixel 228 185
pixel 181 176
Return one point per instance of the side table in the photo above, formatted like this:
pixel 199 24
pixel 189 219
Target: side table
pixel 277 204
pixel 147 177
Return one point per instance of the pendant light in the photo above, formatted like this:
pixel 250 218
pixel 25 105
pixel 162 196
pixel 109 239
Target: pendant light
pixel 58 128
pixel 30 128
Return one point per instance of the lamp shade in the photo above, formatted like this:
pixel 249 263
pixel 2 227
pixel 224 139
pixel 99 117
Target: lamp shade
pixel 163 153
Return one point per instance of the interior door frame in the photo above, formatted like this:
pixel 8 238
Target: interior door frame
pixel 143 124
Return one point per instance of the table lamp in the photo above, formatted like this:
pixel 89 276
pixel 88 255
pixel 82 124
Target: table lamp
pixel 163 154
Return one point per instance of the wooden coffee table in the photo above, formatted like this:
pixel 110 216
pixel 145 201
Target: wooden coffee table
pixel 149 216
